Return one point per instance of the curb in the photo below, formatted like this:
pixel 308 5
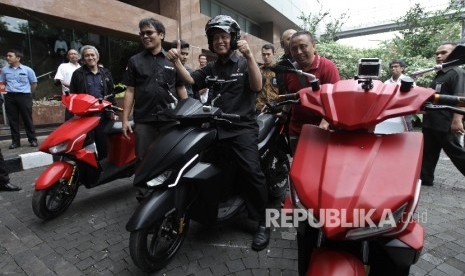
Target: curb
pixel 28 161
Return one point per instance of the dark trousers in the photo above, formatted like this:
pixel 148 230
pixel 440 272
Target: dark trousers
pixel 4 178
pixel 255 192
pixel 20 104
pixel 101 138
pixel 434 141
pixel 146 133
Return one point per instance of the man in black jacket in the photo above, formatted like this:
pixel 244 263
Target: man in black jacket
pixel 97 81
pixel 442 129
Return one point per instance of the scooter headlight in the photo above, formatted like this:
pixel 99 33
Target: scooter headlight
pixel 58 148
pixel 387 224
pixel 160 179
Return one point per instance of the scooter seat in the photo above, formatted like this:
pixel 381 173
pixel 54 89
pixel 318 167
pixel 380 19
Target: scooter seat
pixel 116 127
pixel 265 123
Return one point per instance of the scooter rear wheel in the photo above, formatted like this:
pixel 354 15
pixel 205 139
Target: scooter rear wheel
pixel 53 201
pixel 153 248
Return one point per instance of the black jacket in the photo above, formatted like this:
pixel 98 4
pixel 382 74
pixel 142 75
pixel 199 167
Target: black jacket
pixel 78 82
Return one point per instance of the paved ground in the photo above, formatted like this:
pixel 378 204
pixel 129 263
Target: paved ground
pixel 90 238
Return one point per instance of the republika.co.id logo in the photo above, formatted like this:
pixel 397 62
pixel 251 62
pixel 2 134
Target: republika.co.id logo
pixel 335 218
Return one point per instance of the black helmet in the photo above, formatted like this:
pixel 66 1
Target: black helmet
pixel 225 23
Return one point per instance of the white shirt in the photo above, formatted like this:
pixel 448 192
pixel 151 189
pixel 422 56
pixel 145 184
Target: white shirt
pixel 61 44
pixel 392 81
pixel 65 72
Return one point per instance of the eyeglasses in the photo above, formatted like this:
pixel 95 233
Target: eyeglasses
pixel 148 33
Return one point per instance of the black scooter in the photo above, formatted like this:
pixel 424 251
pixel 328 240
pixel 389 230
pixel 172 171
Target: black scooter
pixel 189 176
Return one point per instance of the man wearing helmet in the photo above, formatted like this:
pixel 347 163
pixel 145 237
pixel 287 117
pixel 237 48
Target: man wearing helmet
pixel 237 97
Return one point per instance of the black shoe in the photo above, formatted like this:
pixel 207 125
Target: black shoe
pixel 34 144
pixel 427 183
pixel 14 145
pixel 261 238
pixel 9 187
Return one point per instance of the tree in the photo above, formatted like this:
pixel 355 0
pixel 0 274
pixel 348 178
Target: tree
pixel 332 26
pixel 424 31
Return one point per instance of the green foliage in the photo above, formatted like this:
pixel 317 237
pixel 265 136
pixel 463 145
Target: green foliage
pixel 346 57
pixel 425 31
pixel 416 45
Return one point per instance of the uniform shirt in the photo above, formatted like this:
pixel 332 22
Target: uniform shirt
pixel 236 97
pixel 18 79
pixel 270 89
pixel 326 71
pixel 65 72
pixel 154 80
pixel 448 81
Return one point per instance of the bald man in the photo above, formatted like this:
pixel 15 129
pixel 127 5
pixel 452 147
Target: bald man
pixel 286 58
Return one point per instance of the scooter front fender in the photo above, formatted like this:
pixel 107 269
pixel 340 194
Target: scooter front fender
pixel 151 210
pixel 331 262
pixel 53 174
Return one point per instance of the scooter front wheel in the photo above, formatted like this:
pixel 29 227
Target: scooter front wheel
pixel 152 248
pixel 51 202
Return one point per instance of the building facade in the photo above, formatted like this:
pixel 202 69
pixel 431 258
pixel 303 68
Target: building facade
pixel 41 29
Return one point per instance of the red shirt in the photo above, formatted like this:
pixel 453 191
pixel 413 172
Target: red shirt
pixel 326 71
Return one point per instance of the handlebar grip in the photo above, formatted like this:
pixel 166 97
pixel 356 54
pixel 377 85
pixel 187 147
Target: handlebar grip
pixel 441 99
pixel 117 108
pixel 287 97
pixel 231 117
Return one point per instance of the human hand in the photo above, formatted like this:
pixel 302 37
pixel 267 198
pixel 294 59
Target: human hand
pixel 126 127
pixel 243 47
pixel 457 127
pixel 173 54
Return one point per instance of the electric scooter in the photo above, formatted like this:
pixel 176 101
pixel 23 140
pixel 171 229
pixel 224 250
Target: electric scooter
pixel 354 190
pixel 78 162
pixel 189 175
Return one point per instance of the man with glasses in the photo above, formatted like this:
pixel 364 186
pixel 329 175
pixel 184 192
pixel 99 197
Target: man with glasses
pixel 152 87
pixel 397 67
pixel 237 97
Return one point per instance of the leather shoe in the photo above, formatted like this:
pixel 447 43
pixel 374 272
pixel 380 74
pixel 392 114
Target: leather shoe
pixel 261 238
pixel 427 183
pixel 34 144
pixel 9 187
pixel 14 145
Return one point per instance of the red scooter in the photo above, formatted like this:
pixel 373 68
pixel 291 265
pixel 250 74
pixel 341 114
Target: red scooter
pixel 78 161
pixel 354 191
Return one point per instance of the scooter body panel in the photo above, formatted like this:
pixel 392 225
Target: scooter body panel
pixel 52 174
pixel 347 105
pixel 173 149
pixel 330 262
pixel 350 171
pixel 151 210
pixel 72 131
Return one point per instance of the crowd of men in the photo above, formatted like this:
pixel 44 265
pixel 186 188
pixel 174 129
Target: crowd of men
pixel 157 78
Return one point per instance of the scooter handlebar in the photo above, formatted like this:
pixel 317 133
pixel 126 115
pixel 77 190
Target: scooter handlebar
pixel 446 102
pixel 450 100
pixel 115 108
pixel 231 117
pixel 288 97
